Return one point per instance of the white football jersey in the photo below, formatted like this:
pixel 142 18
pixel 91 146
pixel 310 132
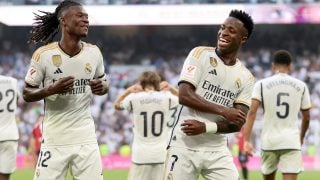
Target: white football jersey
pixel 282 97
pixel 217 83
pixel 68 117
pixel 151 112
pixel 9 93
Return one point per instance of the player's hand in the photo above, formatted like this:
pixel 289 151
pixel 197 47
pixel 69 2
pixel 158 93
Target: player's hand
pixel 63 85
pixel 236 116
pixel 193 127
pixel 164 85
pixel 96 86
pixel 248 148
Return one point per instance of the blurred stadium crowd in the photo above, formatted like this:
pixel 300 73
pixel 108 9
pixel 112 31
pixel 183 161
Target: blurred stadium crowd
pixel 132 2
pixel 164 49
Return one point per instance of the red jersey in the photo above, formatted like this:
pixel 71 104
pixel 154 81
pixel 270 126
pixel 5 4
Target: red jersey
pixel 37 134
pixel 241 140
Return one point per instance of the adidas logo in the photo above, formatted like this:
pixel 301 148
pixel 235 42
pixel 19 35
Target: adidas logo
pixel 58 71
pixel 214 72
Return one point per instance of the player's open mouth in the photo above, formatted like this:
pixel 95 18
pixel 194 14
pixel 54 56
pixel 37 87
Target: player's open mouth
pixel 223 41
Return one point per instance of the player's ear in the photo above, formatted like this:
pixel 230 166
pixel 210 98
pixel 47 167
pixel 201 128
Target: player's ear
pixel 244 39
pixel 273 67
pixel 62 21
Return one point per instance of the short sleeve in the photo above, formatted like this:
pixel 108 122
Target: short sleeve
pixel 35 74
pixel 127 103
pixel 192 67
pixel 306 102
pixel 246 94
pixel 256 93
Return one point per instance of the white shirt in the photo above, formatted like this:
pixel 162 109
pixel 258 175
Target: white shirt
pixel 9 93
pixel 68 117
pixel 217 83
pixel 151 112
pixel 282 98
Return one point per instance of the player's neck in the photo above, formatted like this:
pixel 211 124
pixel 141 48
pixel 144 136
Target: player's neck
pixel 149 89
pixel 71 46
pixel 228 59
pixel 281 70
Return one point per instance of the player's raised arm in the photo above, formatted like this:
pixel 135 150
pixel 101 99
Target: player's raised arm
pixel 132 89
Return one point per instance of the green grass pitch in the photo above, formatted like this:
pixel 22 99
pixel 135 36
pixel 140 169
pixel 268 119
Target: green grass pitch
pixel 27 174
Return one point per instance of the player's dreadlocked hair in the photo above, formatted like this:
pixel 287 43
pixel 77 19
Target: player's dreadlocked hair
pixel 47 25
pixel 244 18
pixel 282 57
pixel 150 78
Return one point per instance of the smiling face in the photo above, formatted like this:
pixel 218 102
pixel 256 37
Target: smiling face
pixel 74 21
pixel 231 35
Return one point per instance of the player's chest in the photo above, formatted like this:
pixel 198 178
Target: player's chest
pixel 60 66
pixel 215 72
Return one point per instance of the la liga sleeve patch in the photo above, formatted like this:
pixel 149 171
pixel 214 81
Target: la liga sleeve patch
pixel 189 71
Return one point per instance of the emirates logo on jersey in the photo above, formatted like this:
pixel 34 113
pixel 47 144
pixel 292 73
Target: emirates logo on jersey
pixel 88 68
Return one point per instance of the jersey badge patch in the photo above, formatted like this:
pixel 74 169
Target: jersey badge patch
pixel 190 70
pixel 88 68
pixel 32 72
pixel 238 83
pixel 213 62
pixel 56 60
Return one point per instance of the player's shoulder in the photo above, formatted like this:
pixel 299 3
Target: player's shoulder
pixel 8 81
pixel 199 51
pixel 8 78
pixel 245 71
pixel 44 49
pixel 90 46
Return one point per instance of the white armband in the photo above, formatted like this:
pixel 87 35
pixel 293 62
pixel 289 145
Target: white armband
pixel 211 127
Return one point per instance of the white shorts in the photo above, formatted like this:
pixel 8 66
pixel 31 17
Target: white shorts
pixel 288 161
pixel 146 171
pixel 8 155
pixel 84 162
pixel 185 164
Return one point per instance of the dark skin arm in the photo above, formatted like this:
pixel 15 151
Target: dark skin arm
pixel 234 117
pixel 304 124
pixel 99 87
pixel 31 94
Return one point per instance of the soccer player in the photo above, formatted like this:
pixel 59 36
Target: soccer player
pixel 243 156
pixel 282 97
pixel 151 112
pixel 215 90
pixel 8 128
pixel 70 71
pixel 35 140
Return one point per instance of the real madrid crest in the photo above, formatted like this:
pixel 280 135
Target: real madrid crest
pixel 88 68
pixel 56 60
pixel 238 83
pixel 213 62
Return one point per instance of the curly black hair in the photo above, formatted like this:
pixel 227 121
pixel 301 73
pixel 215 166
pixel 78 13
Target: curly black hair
pixel 282 57
pixel 245 18
pixel 47 25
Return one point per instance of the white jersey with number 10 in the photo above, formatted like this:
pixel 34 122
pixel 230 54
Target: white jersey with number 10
pixel 151 112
